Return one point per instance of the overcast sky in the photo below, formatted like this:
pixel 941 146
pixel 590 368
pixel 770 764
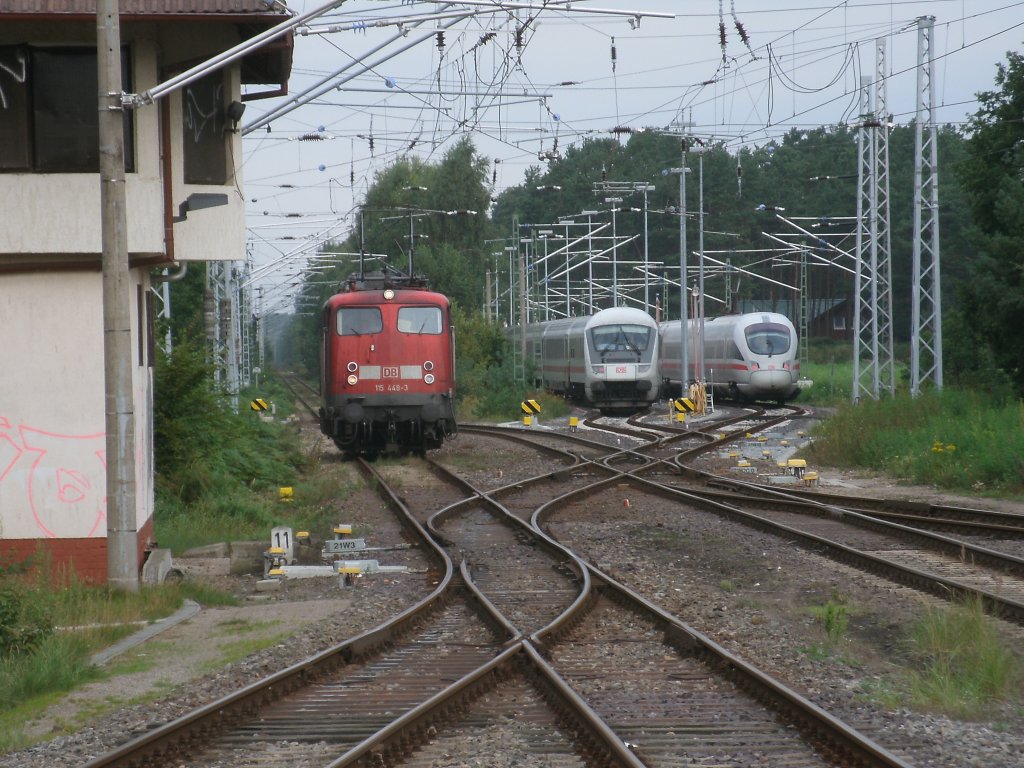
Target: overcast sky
pixel 528 82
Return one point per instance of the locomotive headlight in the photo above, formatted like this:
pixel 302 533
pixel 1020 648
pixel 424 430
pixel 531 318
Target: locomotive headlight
pixel 353 367
pixel 429 378
pixel 428 366
pixel 389 294
pixel 598 369
pixel 352 380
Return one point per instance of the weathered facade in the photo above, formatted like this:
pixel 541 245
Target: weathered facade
pixel 52 396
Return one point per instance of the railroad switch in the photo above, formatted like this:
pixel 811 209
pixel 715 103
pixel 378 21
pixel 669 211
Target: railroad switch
pixel 347 574
pixel 274 559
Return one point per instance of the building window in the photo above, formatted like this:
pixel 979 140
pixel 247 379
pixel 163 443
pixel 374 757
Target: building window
pixel 49 122
pixel 202 109
pixel 838 322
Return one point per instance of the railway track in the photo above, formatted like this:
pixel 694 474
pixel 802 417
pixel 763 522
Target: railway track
pixel 514 611
pixel 949 552
pixel 529 644
pixel 949 567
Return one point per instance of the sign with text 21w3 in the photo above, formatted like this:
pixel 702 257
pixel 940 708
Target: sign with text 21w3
pixel 335 546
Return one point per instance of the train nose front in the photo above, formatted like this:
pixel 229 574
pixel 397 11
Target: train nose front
pixel 771 380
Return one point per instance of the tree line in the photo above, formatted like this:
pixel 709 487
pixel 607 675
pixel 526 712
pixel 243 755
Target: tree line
pixel 443 220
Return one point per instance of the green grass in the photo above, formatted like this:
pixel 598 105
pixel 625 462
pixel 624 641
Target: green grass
pixel 831 383
pixel 250 515
pixel 79 621
pixel 834 618
pixel 960 666
pixel 33 681
pixel 238 650
pixel 965 666
pixel 954 440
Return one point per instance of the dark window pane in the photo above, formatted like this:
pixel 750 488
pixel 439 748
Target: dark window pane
pixel 359 321
pixel 66 125
pixel 127 84
pixel 61 128
pixel 202 109
pixel 15 147
pixel 768 339
pixel 419 320
pixel 620 338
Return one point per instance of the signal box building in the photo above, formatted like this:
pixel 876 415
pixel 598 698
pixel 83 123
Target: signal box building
pixel 182 149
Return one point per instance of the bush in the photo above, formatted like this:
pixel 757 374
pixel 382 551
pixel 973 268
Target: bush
pixel 24 624
pixel 499 393
pixel 951 439
pixel 212 464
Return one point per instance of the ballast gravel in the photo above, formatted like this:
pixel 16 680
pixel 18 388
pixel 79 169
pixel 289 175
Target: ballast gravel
pixel 759 596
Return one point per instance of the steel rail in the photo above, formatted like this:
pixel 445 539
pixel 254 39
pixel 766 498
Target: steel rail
pixel 934 584
pixel 1010 564
pixel 814 719
pixel 238 703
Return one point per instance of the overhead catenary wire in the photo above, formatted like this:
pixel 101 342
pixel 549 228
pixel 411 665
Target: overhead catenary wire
pixel 404 133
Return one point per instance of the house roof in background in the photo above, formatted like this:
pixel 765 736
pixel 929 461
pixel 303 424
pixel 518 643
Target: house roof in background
pixel 269 64
pixel 273 11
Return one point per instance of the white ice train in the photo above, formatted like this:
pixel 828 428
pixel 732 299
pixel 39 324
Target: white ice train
pixel 751 357
pixel 608 360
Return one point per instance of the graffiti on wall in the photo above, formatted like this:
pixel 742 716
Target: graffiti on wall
pixel 59 480
pixel 13 67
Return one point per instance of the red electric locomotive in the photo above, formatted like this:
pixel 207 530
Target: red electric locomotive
pixel 387 367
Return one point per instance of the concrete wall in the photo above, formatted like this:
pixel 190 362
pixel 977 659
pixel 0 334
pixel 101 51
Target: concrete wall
pixel 52 413
pixel 52 394
pixel 213 234
pixel 58 215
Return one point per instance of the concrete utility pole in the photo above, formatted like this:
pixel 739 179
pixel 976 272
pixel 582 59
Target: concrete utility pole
pixel 122 536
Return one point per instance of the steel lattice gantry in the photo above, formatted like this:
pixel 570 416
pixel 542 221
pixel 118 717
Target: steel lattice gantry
pixel 873 366
pixel 926 308
pixel 222 330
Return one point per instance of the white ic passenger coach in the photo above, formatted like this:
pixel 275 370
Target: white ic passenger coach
pixel 608 360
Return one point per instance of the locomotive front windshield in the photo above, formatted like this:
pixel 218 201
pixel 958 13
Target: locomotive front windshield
pixel 425 320
pixel 768 339
pixel 622 341
pixel 359 321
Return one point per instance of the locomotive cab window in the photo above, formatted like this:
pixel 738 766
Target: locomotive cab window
pixel 768 339
pixel 624 341
pixel 359 321
pixel 425 320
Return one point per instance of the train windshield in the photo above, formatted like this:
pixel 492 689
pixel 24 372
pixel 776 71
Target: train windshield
pixel 359 321
pixel 768 339
pixel 610 341
pixel 419 320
